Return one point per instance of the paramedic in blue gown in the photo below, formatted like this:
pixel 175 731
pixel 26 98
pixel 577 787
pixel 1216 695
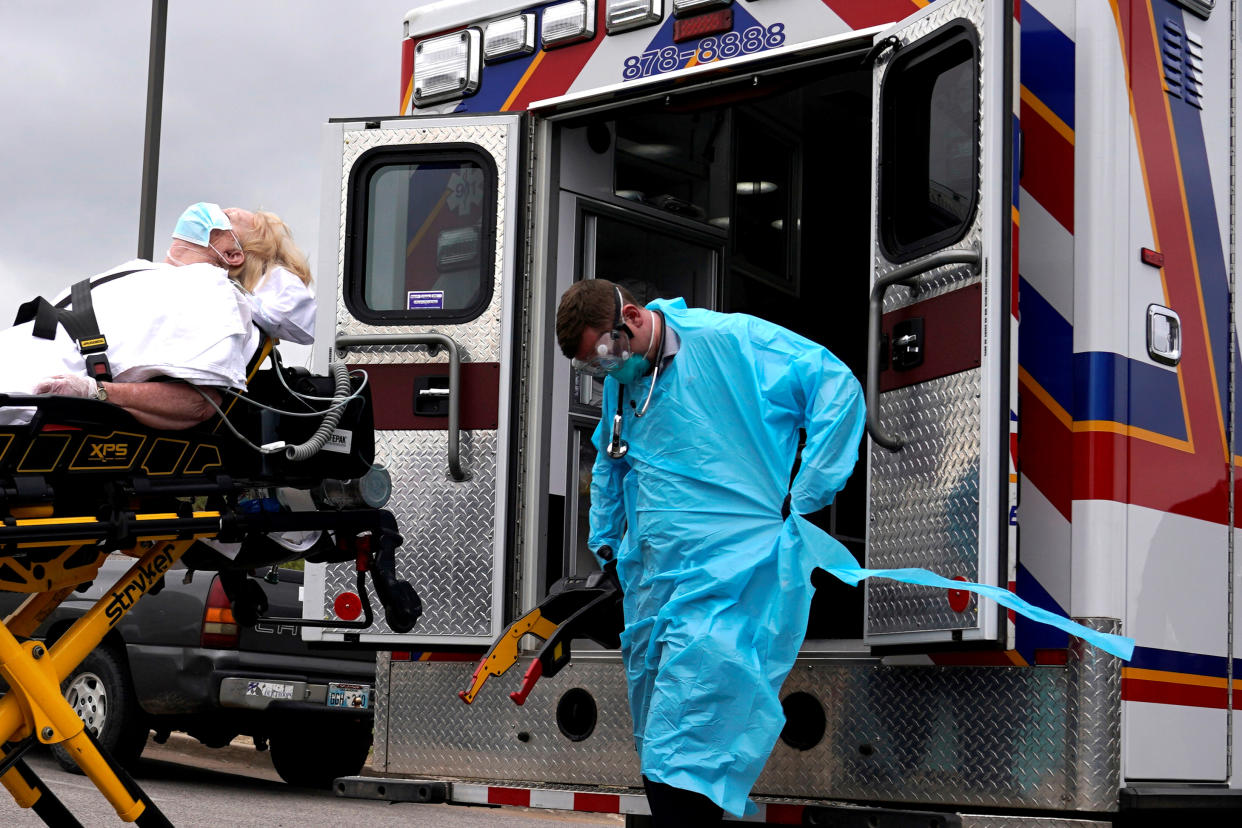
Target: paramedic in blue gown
pixel 696 510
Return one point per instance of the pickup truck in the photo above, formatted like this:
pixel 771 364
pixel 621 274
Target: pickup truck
pixel 179 660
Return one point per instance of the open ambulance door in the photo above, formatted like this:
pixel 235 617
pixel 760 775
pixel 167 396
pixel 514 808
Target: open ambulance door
pixel 424 250
pixel 941 375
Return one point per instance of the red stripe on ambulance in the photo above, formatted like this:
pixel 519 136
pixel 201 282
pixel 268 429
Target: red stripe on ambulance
pixel 558 68
pixel 859 14
pixel 1051 159
pixel 775 813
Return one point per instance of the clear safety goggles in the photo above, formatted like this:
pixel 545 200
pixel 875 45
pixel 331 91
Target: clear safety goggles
pixel 611 350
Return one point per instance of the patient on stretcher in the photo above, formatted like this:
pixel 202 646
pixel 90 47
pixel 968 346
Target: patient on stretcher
pixel 229 278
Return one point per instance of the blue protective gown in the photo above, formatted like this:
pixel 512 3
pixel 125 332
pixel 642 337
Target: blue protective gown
pixel 717 584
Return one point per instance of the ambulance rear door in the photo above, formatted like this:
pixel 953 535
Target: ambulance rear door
pixel 941 380
pixel 424 250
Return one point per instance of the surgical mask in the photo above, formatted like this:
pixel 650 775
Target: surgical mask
pixel 197 222
pixel 630 370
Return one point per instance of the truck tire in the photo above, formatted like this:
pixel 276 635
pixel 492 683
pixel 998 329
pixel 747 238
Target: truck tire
pixel 311 754
pixel 100 691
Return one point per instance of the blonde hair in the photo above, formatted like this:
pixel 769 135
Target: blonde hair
pixel 269 244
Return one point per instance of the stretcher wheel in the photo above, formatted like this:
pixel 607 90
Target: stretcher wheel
pixel 100 691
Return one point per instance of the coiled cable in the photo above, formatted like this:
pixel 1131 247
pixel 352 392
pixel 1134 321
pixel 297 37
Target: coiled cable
pixel 304 451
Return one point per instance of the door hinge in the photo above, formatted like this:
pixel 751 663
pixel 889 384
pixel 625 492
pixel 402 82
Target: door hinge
pixel 881 49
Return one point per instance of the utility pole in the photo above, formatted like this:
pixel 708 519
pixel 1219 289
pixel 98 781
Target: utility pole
pixel 151 149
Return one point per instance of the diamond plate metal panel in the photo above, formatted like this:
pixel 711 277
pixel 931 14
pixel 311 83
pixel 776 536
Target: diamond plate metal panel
pixel 1093 710
pixel 479 339
pixel 924 499
pixel 1004 737
pixel 448 530
pixel 972 736
pixel 951 277
pixel 379 740
pixel 925 503
pixel 450 544
pixel 493 738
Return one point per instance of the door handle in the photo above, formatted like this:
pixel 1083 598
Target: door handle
pixel 345 342
pixel 906 274
pixel 431 396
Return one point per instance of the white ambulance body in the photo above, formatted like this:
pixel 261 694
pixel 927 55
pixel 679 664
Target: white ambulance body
pixel 1032 198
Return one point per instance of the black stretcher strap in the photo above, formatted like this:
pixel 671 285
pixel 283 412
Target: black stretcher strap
pixel 76 312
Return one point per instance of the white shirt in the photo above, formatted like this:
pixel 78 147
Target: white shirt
pixel 186 322
pixel 284 307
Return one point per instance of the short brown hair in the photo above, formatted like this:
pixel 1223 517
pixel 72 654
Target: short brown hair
pixel 591 303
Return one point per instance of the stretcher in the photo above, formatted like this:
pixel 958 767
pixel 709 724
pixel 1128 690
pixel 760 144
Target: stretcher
pixel 84 479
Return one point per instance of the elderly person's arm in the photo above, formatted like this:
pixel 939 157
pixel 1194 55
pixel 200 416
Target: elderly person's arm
pixel 166 405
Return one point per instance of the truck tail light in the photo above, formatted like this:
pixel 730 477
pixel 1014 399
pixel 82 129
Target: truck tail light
pixel 220 628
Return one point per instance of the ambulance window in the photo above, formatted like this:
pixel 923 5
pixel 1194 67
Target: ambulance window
pixel 419 239
pixel 762 229
pixel 650 263
pixel 675 162
pixel 582 561
pixel 929 173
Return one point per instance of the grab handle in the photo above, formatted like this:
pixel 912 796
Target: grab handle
pixel 905 274
pixel 346 341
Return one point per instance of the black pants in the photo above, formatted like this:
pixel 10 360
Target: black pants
pixel 677 808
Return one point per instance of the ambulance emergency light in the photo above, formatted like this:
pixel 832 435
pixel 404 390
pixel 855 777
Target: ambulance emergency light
pixel 684 7
pixel 1202 8
pixel 509 38
pixel 623 15
pixel 447 67
pixel 568 23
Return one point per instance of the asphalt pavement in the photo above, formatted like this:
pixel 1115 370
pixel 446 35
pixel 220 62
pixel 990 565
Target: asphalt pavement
pixel 237 786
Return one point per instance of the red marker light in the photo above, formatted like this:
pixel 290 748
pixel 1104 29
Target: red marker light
pixel 959 599
pixel 347 606
pixel 1151 257
pixel 702 25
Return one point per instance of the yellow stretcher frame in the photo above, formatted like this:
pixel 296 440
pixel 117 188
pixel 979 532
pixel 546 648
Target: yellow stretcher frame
pixel 34 709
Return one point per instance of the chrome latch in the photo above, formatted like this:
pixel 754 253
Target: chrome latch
pixel 1164 335
pixel 907 347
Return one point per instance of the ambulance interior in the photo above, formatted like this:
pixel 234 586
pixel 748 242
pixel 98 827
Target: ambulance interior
pixel 753 194
pixel 750 197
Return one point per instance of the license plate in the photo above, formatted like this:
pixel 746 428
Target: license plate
pixel 270 689
pixel 354 696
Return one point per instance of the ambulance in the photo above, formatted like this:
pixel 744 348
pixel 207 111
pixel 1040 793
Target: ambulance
pixel 1014 220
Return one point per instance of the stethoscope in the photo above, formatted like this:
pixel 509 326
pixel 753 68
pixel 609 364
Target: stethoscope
pixel 617 448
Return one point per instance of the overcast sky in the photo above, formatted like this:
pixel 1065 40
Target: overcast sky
pixel 247 86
